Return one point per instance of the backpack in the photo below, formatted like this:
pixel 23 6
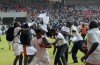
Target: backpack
pixel 25 37
pixel 10 34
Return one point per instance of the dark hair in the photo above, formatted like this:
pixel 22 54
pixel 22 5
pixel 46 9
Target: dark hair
pixel 49 34
pixel 69 24
pixel 38 31
pixel 53 32
pixel 93 24
pixel 25 25
pixel 15 24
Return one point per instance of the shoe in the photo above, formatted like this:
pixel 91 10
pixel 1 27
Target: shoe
pixel 75 62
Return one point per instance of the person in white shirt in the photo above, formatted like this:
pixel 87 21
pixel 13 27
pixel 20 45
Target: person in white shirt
pixel 61 46
pixel 93 45
pixel 65 30
pixel 25 38
pixel 42 56
pixel 17 47
pixel 77 40
pixel 43 25
pixel 78 43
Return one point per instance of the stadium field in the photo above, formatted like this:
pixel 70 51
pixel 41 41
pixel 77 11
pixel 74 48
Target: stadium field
pixel 7 56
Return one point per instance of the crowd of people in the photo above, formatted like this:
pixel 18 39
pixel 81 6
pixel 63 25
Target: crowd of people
pixel 66 25
pixel 33 41
pixel 13 8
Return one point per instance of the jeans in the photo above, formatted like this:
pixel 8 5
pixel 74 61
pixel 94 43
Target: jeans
pixel 60 55
pixel 77 46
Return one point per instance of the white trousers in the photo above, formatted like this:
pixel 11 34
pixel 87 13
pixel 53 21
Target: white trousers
pixel 18 48
pixel 44 61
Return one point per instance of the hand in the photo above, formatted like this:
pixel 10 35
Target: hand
pixel 83 59
pixel 84 47
pixel 45 46
pixel 41 45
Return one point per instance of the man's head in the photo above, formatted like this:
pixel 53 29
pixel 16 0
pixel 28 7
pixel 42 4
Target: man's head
pixel 17 24
pixel 93 24
pixel 38 33
pixel 53 32
pixel 69 24
pixel 25 25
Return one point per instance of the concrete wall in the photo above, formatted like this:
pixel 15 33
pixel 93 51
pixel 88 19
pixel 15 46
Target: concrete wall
pixel 12 14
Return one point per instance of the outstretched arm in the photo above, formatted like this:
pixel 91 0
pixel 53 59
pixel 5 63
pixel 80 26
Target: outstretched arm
pixel 93 48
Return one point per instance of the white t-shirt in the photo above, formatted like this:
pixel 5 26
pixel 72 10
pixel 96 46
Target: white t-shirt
pixel 74 28
pixel 62 41
pixel 78 36
pixel 93 36
pixel 65 29
pixel 79 28
pixel 16 38
pixel 18 48
pixel 44 27
pixel 33 33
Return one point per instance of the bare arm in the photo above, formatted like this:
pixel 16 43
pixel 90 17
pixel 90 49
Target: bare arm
pixel 56 41
pixel 45 43
pixel 93 48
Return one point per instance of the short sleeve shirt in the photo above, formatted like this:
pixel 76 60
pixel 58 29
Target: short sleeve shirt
pixel 93 36
pixel 16 38
pixel 62 40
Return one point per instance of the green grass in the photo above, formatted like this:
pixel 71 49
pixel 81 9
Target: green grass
pixel 7 56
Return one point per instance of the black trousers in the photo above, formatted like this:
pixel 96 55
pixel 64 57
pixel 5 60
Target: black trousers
pixel 28 59
pixel 60 58
pixel 83 35
pixel 66 53
pixel 77 46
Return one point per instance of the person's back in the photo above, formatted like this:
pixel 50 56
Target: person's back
pixel 62 40
pixel 93 45
pixel 16 38
pixel 25 37
pixel 17 47
pixel 95 33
